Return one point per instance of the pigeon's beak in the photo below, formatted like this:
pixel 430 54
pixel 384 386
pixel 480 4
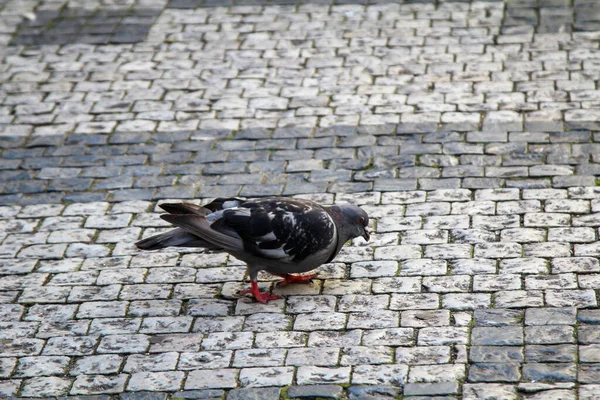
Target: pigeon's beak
pixel 366 235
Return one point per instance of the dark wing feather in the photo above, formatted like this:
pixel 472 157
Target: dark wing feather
pixel 177 237
pixel 184 208
pixel 199 226
pixel 281 228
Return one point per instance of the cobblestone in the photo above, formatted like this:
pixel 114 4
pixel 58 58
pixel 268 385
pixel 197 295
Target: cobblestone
pixel 468 130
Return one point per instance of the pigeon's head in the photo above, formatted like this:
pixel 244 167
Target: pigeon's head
pixel 354 221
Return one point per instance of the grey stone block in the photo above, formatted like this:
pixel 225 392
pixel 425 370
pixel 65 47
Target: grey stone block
pixel 424 389
pixel 312 391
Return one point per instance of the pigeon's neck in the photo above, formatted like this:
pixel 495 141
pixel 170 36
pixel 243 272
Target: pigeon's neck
pixel 341 224
pixel 338 220
pixel 336 214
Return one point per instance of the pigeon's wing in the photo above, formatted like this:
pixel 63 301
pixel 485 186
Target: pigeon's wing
pixel 280 228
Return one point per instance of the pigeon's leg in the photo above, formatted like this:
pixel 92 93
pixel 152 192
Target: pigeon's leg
pixel 262 297
pixel 289 278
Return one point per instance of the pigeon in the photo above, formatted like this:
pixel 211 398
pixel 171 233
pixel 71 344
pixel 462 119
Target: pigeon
pixel 280 235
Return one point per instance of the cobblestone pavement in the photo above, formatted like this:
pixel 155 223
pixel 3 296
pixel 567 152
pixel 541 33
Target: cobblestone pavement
pixel 470 132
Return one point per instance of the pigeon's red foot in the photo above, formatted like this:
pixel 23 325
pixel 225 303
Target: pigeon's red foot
pixel 289 278
pixel 261 297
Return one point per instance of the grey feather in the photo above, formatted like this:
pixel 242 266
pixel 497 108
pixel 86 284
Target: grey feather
pixel 175 238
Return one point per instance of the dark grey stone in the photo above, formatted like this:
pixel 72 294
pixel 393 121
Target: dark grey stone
pixel 41 198
pixel 7 142
pixel 529 183
pixel 254 133
pixel 10 199
pixel 111 150
pixel 85 197
pixel 129 137
pixel 506 148
pixel 312 391
pixel 148 181
pixel 208 394
pixel 254 394
pixel 554 372
pixel 15 175
pixel 510 160
pixel 494 372
pixel 127 160
pixel 41 162
pixel 261 190
pixel 373 392
pixel 23 153
pixel 589 316
pixel 9 164
pixel 588 334
pixel 28 186
pixel 497 336
pixel 70 184
pixel 482 183
pixel 67 150
pixel 131 194
pixel 292 188
pixel 224 168
pixel 143 170
pixel 588 169
pixel 497 317
pixel 143 396
pixel 316 143
pixel 576 180
pixel 83 161
pixel 249 156
pixel 292 132
pixel 550 316
pixel 551 353
pixel 101 172
pixel 433 184
pixel 329 176
pixel 50 140
pixel 480 160
pixel 570 136
pixel 589 373
pixel 176 192
pixel 116 182
pixel 266 166
pixel 150 148
pixel 221 190
pixel 351 164
pixel 382 129
pixel 350 187
pixel 92 140
pixel 420 389
pixel 171 158
pixel 493 354
pixel 339 130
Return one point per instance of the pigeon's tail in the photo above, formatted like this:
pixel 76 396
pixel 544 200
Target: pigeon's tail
pixel 177 238
pixel 193 229
pixel 185 208
pixel 199 227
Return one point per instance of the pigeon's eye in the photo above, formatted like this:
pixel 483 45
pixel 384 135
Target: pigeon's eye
pixel 361 220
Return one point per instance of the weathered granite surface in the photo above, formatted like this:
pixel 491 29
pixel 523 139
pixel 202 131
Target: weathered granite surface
pixel 469 130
